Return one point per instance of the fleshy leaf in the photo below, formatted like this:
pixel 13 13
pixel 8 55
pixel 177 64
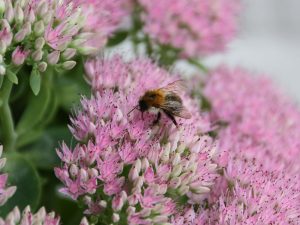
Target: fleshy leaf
pixel 22 174
pixel 35 81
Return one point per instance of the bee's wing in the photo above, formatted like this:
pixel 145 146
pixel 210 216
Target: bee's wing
pixel 173 105
pixel 177 86
pixel 183 113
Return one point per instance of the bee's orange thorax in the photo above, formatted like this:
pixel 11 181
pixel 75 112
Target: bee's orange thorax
pixel 156 101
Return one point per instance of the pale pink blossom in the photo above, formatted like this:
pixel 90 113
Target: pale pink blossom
pixel 55 31
pixel 158 169
pixel 5 191
pixel 15 217
pixel 195 27
pixel 262 122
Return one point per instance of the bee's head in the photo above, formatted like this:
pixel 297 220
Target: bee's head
pixel 143 106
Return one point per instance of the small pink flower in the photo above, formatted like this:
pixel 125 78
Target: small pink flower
pixel 19 55
pixel 195 27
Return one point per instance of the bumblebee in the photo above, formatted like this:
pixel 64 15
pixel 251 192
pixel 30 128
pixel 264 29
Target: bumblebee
pixel 167 100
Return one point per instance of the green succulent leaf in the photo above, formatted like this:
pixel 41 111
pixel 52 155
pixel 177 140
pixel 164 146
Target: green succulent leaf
pixel 35 81
pixel 23 175
pixel 12 76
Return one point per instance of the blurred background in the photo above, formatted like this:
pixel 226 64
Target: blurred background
pixel 268 42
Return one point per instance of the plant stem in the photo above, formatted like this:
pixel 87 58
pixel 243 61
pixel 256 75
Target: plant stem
pixel 7 124
pixel 199 65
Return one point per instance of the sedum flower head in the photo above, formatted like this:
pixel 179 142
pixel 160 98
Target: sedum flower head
pixel 15 217
pixel 261 121
pixel 255 196
pixel 5 192
pixel 52 32
pixel 126 168
pixel 195 27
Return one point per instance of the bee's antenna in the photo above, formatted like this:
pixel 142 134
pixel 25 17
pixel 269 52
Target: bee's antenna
pixel 132 110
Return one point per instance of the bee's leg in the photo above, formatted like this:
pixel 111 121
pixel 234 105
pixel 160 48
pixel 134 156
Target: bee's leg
pixel 157 118
pixel 171 117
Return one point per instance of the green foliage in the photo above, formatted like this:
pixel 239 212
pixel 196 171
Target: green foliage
pixel 42 153
pixel 117 38
pixel 24 175
pixel 35 81
pixel 12 76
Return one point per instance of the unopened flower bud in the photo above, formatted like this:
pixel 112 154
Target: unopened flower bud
pixel 160 219
pixel 87 200
pixel 84 221
pixel 145 212
pixel 42 8
pixel 73 170
pixel 2 6
pixel 69 53
pixel 115 217
pixel 68 65
pixel 176 160
pixel 139 182
pixel 42 67
pixel 132 199
pixel 2 70
pixel 39 27
pixel 198 189
pixel 166 153
pixel 180 149
pixel 39 43
pixel 41 214
pixel 133 174
pixel 176 170
pixel 103 203
pixel 183 190
pixel 93 172
pixel 130 210
pixel 9 12
pixel 47 17
pixel 18 56
pixel 53 57
pixel 20 35
pixel 27 28
pixel 2 162
pixel 175 182
pixel 37 55
pixel 83 175
pixel 145 164
pixel 19 15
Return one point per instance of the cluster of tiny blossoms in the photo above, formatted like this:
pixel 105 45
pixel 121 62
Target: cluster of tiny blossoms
pixel 262 122
pixel 125 169
pixel 252 195
pixel 43 33
pixel 29 218
pixel 26 217
pixel 259 137
pixel 5 192
pixel 196 27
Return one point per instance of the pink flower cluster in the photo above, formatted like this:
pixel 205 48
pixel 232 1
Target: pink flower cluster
pixel 197 27
pixel 263 123
pixel 253 195
pixel 42 33
pixel 125 169
pixel 260 139
pixel 29 218
pixel 5 192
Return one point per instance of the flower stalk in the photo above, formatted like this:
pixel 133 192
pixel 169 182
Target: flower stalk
pixel 9 135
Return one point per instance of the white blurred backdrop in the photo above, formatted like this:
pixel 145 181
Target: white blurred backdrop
pixel 268 42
